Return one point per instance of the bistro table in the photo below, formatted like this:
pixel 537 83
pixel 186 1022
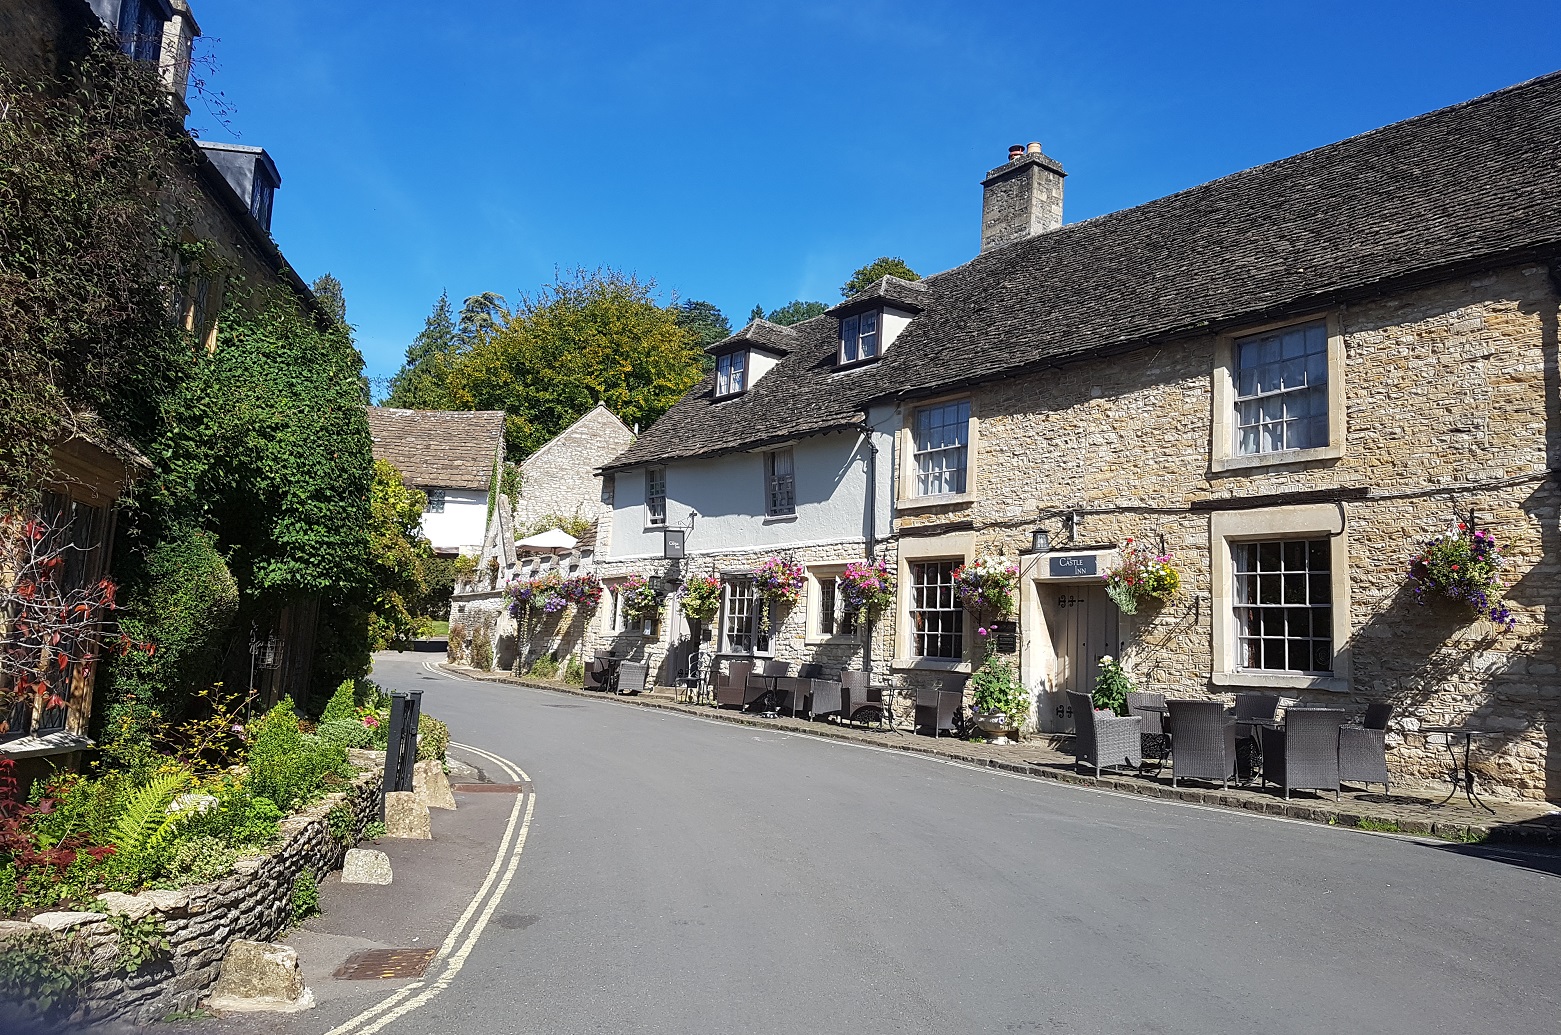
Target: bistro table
pixel 609 670
pixel 771 699
pixel 1464 780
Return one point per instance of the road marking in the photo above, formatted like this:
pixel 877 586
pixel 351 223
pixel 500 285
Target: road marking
pixel 511 845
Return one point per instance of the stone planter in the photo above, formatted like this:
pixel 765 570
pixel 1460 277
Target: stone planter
pixel 996 727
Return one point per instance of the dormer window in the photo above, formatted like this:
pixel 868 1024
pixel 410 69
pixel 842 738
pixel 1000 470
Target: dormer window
pixel 731 373
pixel 141 28
pixel 859 337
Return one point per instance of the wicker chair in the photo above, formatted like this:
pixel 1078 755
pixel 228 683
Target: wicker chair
pixel 632 676
pixel 1249 741
pixel 856 696
pixel 938 708
pixel 1305 754
pixel 776 668
pixel 1100 738
pixel 731 687
pixel 1363 754
pixel 1150 707
pixel 823 697
pixel 1203 741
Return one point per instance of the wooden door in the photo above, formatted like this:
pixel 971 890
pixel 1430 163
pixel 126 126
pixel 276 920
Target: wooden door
pixel 1086 631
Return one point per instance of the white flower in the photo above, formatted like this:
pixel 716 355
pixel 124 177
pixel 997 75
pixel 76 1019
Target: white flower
pixel 1106 659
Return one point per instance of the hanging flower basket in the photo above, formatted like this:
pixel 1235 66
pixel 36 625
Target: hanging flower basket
pixel 779 580
pixel 987 584
pixel 1142 575
pixel 866 588
pixel 701 598
pixel 582 592
pixel 641 600
pixel 1463 566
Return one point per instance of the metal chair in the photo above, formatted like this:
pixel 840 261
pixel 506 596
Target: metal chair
pixel 1203 742
pixel 632 676
pixel 1100 738
pixel 1305 754
pixel 1363 752
pixel 1155 741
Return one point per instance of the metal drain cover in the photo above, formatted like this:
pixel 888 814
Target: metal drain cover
pixel 383 964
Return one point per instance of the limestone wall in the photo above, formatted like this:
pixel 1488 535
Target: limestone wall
pixel 254 902
pixel 1450 398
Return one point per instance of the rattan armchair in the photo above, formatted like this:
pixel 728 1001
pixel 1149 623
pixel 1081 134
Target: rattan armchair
pixel 1150 707
pixel 632 676
pixel 1203 741
pixel 823 697
pixel 938 708
pixel 731 688
pixel 1305 754
pixel 857 696
pixel 1363 753
pixel 1100 738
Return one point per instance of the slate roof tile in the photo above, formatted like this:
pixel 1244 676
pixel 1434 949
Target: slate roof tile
pixel 444 449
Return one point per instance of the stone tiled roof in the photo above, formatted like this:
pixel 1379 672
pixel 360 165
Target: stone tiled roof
pixel 1475 183
pixel 761 334
pixel 901 294
pixel 445 449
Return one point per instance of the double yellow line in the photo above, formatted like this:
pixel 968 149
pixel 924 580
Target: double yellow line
pixel 472 922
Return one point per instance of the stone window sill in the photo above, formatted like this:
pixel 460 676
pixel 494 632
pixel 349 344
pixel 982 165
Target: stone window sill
pixel 1280 681
pixel 775 519
pixel 930 665
pixel 1281 458
pixel 928 502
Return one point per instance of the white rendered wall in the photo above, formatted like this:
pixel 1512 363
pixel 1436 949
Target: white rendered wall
pixel 729 494
pixel 463 523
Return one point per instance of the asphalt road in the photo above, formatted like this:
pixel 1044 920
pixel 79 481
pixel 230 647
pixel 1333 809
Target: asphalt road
pixel 685 875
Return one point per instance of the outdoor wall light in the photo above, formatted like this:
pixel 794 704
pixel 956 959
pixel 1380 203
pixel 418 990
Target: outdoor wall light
pixel 1041 541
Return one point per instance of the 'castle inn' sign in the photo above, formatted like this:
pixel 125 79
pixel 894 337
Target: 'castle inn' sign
pixel 1074 565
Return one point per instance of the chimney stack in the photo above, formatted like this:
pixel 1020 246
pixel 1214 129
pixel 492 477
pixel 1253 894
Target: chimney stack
pixel 1022 198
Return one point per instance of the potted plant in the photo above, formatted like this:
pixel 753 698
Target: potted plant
pixel 1463 566
pixel 999 701
pixel 1142 575
pixel 1111 687
pixel 582 592
pixel 779 581
pixel 986 585
pixel 866 588
pixel 641 600
pixel 700 599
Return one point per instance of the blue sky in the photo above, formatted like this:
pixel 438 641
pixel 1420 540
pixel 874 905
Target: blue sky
pixel 759 152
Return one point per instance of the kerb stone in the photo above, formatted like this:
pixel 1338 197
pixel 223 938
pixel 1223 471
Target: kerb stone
pixel 431 785
pixel 260 977
pixel 365 866
pixel 406 817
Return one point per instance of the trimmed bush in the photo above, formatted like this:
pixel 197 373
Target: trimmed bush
pixel 433 737
pixel 285 765
pixel 343 703
pixel 345 733
pixel 482 649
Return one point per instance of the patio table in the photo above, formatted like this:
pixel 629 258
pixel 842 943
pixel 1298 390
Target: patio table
pixel 1462 780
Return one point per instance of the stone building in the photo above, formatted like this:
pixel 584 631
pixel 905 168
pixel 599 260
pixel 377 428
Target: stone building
pixel 453 456
pixel 1289 379
pixel 44 40
pixel 561 480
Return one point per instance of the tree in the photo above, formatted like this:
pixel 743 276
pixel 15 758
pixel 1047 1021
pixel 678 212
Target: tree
pixel 883 266
pixel 481 315
pixel 593 337
pixel 399 555
pixel 795 312
pixel 703 320
pixel 418 385
pixel 756 313
pixel 328 292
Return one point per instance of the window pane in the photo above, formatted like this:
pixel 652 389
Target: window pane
pixel 1292 630
pixel 848 331
pixel 1281 394
pixel 869 339
pixel 739 365
pixel 826 607
pixel 937 620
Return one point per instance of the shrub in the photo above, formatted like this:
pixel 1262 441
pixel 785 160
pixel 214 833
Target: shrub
pixel 343 703
pixel 482 649
pixel 994 687
pixel 433 737
pixel 574 672
pixel 345 733
pixel 455 644
pixel 306 896
pixel 1111 686
pixel 545 667
pixel 41 971
pixel 197 860
pixel 286 766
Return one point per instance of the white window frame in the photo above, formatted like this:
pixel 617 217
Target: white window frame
pixel 1224 451
pixel 437 500
pixel 824 584
pixel 1228 529
pixel 731 373
pixel 860 343
pixel 760 644
pixel 780 487
pixel 912 471
pixel 655 513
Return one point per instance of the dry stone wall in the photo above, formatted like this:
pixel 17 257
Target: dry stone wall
pixel 254 903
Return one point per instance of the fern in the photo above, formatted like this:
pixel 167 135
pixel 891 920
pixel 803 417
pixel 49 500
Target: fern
pixel 146 822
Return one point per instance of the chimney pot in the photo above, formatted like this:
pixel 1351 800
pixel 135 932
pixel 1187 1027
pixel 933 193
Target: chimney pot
pixel 1021 198
pixel 1034 148
pixel 1014 151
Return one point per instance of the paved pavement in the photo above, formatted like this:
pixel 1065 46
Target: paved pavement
pixel 683 875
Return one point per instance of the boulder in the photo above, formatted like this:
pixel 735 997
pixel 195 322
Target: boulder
pixel 133 906
pixel 431 785
pixel 11 930
pixel 405 816
pixel 365 866
pixel 260 977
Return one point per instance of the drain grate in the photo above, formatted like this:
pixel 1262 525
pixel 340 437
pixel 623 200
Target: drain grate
pixel 491 788
pixel 381 964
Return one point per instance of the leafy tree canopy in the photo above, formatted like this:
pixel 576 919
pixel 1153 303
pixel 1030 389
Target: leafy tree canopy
pixel 883 266
pixel 593 336
pixel 328 292
pixel 400 555
pixel 795 312
pixel 704 321
pixel 756 313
